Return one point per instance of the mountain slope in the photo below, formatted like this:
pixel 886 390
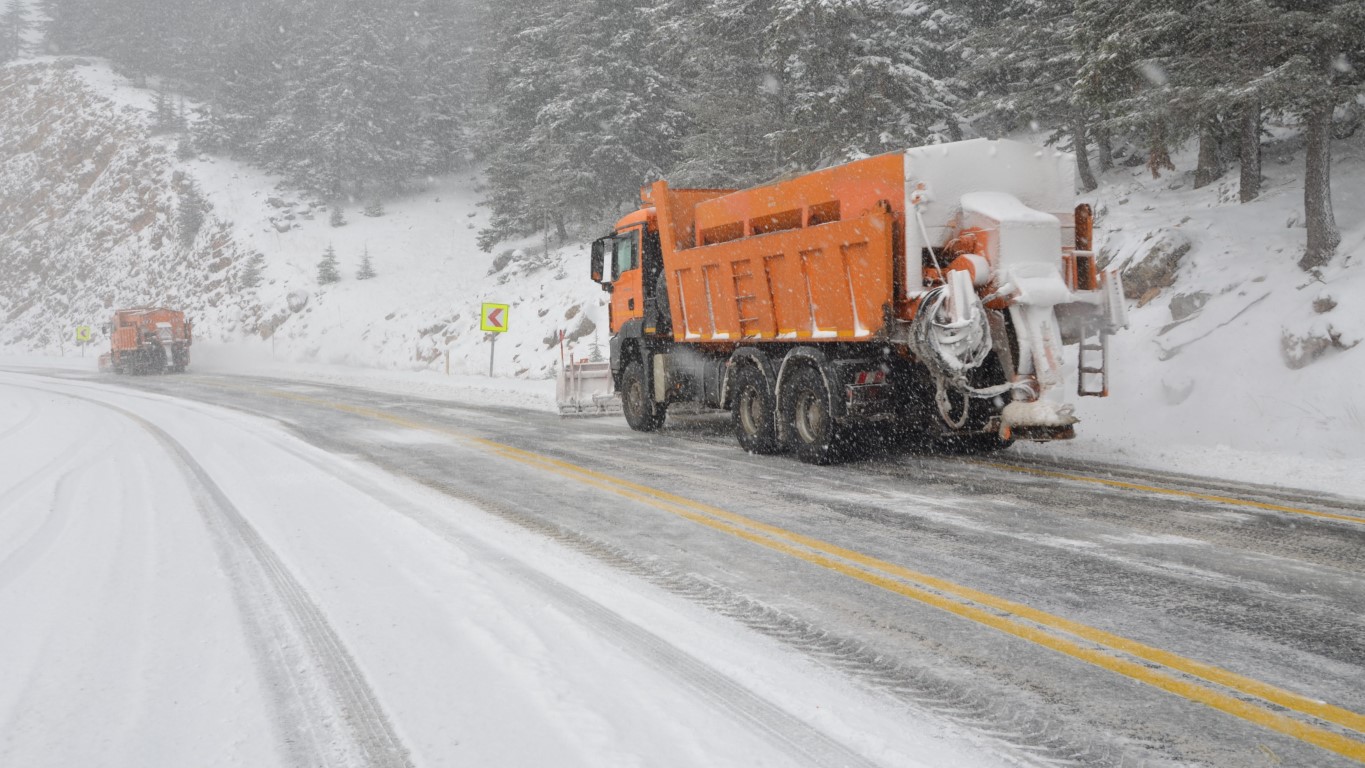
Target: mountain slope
pixel 90 214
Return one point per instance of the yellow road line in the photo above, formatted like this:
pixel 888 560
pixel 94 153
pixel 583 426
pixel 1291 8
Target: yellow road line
pixel 1174 492
pixel 893 578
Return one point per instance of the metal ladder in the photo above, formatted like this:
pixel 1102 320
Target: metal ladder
pixel 1093 340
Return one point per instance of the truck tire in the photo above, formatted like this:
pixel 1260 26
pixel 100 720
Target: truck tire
pixel 642 413
pixel 753 413
pixel 807 415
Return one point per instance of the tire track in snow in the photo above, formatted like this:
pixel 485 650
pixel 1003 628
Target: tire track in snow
pixel 1025 737
pixel 803 742
pixel 18 555
pixel 28 417
pixel 327 713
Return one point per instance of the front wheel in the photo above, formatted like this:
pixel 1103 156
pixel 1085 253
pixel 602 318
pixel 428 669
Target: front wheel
pixel 807 415
pixel 642 413
pixel 753 413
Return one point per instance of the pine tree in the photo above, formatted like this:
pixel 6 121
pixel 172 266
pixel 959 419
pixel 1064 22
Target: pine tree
pixel 327 267
pixel 191 212
pixel 1025 66
pixel 375 208
pixel 13 24
pixel 855 79
pixel 1316 74
pixel 366 270
pixel 251 273
pixel 584 116
pixel 337 218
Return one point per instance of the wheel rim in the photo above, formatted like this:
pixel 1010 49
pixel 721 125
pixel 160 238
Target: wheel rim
pixel 750 411
pixel 811 418
pixel 634 399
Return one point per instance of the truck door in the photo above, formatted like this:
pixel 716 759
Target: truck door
pixel 627 295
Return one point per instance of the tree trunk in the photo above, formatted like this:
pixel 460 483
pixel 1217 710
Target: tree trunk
pixel 1323 236
pixel 1158 157
pixel 1251 152
pixel 1106 148
pixel 1210 167
pixel 1078 142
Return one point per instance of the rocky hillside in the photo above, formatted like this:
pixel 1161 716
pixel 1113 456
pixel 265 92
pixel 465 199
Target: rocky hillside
pixel 98 209
pixel 94 214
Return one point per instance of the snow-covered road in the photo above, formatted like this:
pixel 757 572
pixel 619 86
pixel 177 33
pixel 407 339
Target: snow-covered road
pixel 182 584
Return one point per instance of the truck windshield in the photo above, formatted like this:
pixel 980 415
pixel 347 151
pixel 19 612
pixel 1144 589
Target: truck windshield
pixel 626 252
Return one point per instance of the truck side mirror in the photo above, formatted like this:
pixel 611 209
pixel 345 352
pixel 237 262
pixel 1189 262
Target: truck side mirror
pixel 599 249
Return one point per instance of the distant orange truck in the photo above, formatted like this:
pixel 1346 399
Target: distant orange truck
pixel 929 291
pixel 148 340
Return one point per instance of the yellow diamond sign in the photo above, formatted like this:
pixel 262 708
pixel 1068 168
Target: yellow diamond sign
pixel 493 317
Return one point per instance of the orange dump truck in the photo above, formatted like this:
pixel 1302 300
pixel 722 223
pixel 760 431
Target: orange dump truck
pixel 147 340
pixel 928 291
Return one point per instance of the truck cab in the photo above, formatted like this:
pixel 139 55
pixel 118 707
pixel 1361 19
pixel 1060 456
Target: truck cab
pixel 627 264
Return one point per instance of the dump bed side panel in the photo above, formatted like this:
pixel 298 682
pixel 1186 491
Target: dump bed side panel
pixel 826 282
pixel 833 194
pixel 809 258
pixel 676 212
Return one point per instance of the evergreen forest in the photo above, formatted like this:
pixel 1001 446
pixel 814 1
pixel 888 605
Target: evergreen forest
pixel 569 106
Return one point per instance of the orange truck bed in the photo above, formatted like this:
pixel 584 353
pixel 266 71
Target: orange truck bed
pixel 810 259
pixel 148 340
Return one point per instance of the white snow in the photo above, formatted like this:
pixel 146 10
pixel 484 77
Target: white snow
pixel 134 651
pixel 1214 395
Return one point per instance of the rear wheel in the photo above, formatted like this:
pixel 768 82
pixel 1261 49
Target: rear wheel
pixel 642 413
pixel 753 413
pixel 807 414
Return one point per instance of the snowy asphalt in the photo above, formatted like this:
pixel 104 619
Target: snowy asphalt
pixel 1060 612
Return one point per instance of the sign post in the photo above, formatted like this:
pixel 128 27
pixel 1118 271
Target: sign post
pixel 83 335
pixel 493 321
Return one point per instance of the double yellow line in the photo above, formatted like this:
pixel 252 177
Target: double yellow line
pixel 1226 691
pixel 1175 492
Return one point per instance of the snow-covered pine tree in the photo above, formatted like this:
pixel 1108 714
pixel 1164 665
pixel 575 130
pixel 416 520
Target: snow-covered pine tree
pixel 327 267
pixel 856 79
pixel 1319 68
pixel 374 208
pixel 524 52
pixel 163 110
pixel 182 118
pixel 726 88
pixel 614 124
pixel 1023 67
pixel 337 218
pixel 446 68
pixel 191 211
pixel 251 273
pixel 366 270
pixel 13 24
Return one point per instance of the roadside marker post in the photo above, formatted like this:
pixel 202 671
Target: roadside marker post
pixel 493 321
